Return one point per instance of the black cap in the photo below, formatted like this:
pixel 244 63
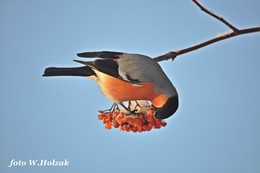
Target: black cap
pixel 168 109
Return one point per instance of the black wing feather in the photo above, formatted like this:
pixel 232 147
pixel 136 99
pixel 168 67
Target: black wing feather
pixel 107 66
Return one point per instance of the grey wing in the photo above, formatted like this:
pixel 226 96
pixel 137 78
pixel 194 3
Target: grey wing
pixel 140 68
pixel 133 68
pixel 124 68
pixel 106 64
pixel 137 68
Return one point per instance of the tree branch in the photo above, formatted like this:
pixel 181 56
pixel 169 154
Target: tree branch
pixel 235 32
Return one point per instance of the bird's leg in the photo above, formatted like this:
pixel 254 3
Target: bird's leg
pixel 137 104
pixel 135 108
pixel 113 107
pixel 124 106
pixel 129 110
pixel 129 105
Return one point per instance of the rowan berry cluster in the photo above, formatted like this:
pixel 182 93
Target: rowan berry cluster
pixel 139 122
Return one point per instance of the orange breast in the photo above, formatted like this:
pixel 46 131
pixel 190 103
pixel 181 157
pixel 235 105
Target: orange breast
pixel 119 90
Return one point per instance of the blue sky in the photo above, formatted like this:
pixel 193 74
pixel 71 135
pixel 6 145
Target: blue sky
pixel 216 128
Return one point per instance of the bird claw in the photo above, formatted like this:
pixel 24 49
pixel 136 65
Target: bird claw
pixel 128 109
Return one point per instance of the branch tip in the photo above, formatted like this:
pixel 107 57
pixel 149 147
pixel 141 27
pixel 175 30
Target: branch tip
pixel 221 19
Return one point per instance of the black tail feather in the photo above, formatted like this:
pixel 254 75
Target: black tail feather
pixel 73 71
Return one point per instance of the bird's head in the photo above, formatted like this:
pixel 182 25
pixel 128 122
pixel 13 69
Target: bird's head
pixel 168 109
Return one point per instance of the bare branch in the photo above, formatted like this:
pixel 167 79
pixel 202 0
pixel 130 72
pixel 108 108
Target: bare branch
pixel 235 32
pixel 215 16
pixel 173 54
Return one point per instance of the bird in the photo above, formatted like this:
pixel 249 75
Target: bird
pixel 126 77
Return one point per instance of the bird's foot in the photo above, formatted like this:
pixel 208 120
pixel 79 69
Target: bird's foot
pixel 128 109
pixel 113 108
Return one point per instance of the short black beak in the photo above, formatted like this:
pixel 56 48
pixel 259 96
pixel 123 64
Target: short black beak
pixel 168 109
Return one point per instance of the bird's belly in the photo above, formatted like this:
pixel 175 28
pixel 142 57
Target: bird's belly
pixel 118 90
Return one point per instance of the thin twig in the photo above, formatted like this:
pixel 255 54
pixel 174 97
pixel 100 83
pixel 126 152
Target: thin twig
pixel 215 16
pixel 235 32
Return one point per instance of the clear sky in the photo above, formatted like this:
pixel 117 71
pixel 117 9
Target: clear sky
pixel 216 128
